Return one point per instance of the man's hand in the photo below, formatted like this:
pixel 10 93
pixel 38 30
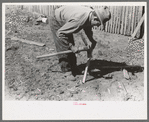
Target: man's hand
pixel 91 45
pixel 74 49
pixel 89 52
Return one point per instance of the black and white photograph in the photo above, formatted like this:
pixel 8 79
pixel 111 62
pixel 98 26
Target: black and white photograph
pixel 74 52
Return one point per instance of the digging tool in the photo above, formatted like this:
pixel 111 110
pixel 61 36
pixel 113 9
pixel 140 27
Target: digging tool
pixel 63 52
pixel 89 55
pixel 86 69
pixel 137 28
pixel 88 60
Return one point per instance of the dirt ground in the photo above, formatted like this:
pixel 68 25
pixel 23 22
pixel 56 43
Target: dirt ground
pixel 29 79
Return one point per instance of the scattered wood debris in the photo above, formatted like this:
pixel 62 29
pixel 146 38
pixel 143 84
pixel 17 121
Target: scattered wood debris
pixel 28 41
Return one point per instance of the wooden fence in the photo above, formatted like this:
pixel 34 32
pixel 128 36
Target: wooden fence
pixel 124 19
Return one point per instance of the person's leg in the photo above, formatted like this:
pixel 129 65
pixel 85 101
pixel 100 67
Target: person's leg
pixel 72 59
pixel 68 61
pixel 61 45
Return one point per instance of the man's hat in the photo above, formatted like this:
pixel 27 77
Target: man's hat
pixel 103 14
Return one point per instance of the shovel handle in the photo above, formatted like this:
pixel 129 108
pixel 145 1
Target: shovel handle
pixel 63 52
pixel 86 69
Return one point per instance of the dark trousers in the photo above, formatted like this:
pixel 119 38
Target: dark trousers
pixel 67 61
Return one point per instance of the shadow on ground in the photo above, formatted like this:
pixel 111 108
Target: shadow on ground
pixel 99 68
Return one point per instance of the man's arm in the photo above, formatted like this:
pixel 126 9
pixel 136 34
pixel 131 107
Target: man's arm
pixel 89 33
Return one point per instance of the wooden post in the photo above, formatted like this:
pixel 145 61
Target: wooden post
pixel 133 19
pixel 139 18
pixel 47 10
pixel 129 21
pixel 35 8
pixel 114 16
pixel 118 10
pixel 136 18
pixel 106 28
pixel 116 19
pixel 119 19
pixel 107 24
pixel 126 18
pixel 42 9
pixel 123 17
pixel 111 19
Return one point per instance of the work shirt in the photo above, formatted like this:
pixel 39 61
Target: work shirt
pixel 72 19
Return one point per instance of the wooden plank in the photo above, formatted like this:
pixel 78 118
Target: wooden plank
pixel 43 9
pixel 35 8
pixel 111 20
pixel 119 19
pixel 113 27
pixel 116 21
pixel 30 8
pixel 129 21
pixel 123 18
pixel 139 18
pixel 47 10
pixel 106 27
pixel 133 19
pixel 138 26
pixel 126 19
pixel 115 24
pixel 127 26
pixel 107 24
pixel 136 18
pixel 28 41
pixel 38 8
